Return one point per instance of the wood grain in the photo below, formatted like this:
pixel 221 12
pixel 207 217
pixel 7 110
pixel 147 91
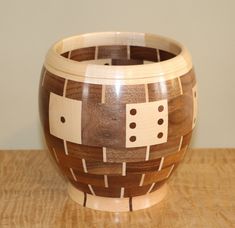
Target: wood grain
pixel 201 194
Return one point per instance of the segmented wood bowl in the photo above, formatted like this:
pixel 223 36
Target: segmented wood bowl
pixel 118 110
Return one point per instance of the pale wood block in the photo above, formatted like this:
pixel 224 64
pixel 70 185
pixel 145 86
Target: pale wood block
pixel 145 201
pixel 65 118
pixel 142 126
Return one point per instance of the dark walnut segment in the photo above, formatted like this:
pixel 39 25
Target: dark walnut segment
pixel 142 167
pixel 104 168
pixel 164 90
pixel 153 177
pixel 53 83
pixel 165 55
pixel 107 192
pixel 112 51
pixel 124 94
pixel 143 53
pixel 173 158
pixel 163 149
pixel 186 140
pixel 130 180
pixel 103 125
pixel 136 191
pixel 87 178
pixel 87 152
pixel 90 93
pixel 123 62
pixel 125 154
pixel 83 54
pixel 180 117
pixel 188 81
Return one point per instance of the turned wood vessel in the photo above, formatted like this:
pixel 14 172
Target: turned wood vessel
pixel 118 110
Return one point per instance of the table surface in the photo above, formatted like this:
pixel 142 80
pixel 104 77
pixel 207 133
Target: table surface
pixel 201 194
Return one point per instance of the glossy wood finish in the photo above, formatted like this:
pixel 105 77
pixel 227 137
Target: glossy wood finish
pixel 117 139
pixel 201 194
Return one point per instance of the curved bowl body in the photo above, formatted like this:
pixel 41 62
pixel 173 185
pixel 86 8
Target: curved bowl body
pixel 118 110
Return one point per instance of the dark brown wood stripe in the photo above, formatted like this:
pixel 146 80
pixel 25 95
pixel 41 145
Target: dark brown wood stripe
pixel 158 185
pixel 126 154
pixel 83 54
pixel 85 199
pixel 124 62
pixel 165 55
pixel 143 53
pixel 143 167
pixel 186 140
pixel 153 177
pixel 124 94
pixel 188 81
pixel 103 125
pixel 180 115
pixel 107 192
pixel 130 204
pixel 173 158
pixel 88 93
pixel 136 191
pixel 65 54
pixel 112 51
pixel 104 168
pixel 130 180
pixel 87 152
pixel 53 83
pixel 159 150
pixel 164 90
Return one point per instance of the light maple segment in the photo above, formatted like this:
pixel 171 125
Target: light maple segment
pixel 118 110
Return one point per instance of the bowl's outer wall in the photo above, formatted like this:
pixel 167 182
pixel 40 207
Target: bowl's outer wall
pixel 106 149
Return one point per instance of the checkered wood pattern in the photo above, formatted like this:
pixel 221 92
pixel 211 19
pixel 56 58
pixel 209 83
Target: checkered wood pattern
pixel 105 146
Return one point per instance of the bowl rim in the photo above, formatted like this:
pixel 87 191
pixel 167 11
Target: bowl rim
pixel 127 74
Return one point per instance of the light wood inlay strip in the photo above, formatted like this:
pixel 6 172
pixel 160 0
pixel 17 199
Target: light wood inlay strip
pixel 124 169
pixel 150 189
pixel 91 189
pixel 106 184
pixel 128 52
pixel 172 167
pixel 74 177
pixel 161 164
pixel 43 77
pixel 142 179
pixel 180 85
pixel 158 56
pixel 84 165
pixel 96 52
pixel 104 154
pixel 56 157
pixel 69 54
pixel 180 145
pixel 65 147
pixel 65 86
pixel 147 153
pixel 122 192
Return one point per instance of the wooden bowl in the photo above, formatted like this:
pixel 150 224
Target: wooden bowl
pixel 118 110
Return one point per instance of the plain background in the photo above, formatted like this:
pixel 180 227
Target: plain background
pixel 28 28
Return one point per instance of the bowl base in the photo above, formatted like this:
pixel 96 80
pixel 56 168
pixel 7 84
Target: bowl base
pixel 117 204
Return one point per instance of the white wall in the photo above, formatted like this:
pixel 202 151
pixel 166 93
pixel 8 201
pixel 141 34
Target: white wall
pixel 28 28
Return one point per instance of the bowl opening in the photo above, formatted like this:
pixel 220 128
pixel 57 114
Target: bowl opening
pixel 118 55
pixel 118 48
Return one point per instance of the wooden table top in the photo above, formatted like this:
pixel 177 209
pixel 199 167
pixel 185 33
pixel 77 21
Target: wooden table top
pixel 201 194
